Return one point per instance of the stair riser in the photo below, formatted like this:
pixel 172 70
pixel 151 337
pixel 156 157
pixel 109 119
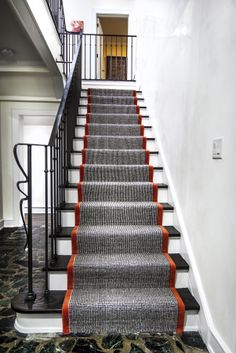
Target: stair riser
pixel 76 159
pixel 83 110
pixel 74 176
pixel 78 145
pixel 81 120
pixel 72 195
pixel 68 218
pixel 64 246
pixel 84 94
pixel 84 100
pixel 52 323
pixel 80 132
pixel 58 280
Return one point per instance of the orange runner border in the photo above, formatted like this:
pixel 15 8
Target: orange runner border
pixel 74 240
pixel 77 214
pixel 65 313
pixel 155 192
pixel 159 214
pixel 181 311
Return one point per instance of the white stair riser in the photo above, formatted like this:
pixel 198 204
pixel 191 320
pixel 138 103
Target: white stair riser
pixel 83 110
pixel 49 323
pixel 71 195
pixel 80 132
pixel 81 120
pixel 78 145
pixel 76 159
pixel 84 100
pixel 74 176
pixel 68 218
pixel 64 246
pixel 58 280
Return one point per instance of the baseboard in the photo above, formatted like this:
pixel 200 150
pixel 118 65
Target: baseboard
pixel 1 224
pixel 206 327
pixel 10 223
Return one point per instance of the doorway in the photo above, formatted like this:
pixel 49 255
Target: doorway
pixel 112 46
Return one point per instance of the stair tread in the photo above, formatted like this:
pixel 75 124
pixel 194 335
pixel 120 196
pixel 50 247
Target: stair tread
pixel 83 125
pixel 71 206
pixel 84 116
pixel 62 261
pixel 52 303
pixel 74 185
pixel 78 167
pixel 116 151
pixel 65 232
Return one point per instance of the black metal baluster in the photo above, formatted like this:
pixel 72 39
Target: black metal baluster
pixel 96 56
pixel 90 58
pixel 30 295
pixel 46 221
pixel 52 204
pixel 126 58
pixel 111 76
pixel 116 59
pixel 85 49
pixel 132 58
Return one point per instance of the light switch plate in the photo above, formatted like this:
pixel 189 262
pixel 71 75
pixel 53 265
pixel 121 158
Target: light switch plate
pixel 217 148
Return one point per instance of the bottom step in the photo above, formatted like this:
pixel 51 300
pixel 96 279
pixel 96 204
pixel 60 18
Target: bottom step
pixel 44 315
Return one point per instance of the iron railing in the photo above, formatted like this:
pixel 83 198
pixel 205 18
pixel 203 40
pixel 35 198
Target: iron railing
pixel 69 40
pixel 56 163
pixel 109 57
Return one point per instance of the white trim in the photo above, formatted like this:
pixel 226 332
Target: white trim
pixel 29 99
pixel 211 336
pixel 1 223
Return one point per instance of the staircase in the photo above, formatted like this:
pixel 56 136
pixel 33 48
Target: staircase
pixel 118 267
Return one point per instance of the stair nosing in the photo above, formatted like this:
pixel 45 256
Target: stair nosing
pixel 70 206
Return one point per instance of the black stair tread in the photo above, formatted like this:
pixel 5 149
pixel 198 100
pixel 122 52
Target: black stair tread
pixel 86 90
pixel 65 232
pixel 86 97
pixel 74 185
pixel 84 116
pixel 52 303
pixel 145 126
pixel 81 138
pixel 71 207
pixel 85 105
pixel 80 151
pixel 62 261
pixel 78 167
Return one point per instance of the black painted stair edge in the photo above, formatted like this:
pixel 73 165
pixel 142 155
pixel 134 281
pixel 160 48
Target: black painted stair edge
pixel 52 303
pixel 80 151
pixel 86 105
pixel 71 206
pixel 145 126
pixel 86 97
pixel 62 261
pixel 84 116
pixel 75 167
pixel 74 185
pixel 82 138
pixel 65 232
pixel 86 89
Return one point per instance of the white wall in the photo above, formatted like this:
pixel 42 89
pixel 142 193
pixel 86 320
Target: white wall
pixel 187 71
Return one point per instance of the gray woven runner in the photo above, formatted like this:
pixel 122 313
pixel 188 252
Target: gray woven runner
pixel 114 130
pixel 121 119
pixel 128 239
pixel 129 173
pixel 113 108
pixel 116 157
pixel 115 142
pixel 112 100
pixel 118 275
pixel 110 92
pixel 120 192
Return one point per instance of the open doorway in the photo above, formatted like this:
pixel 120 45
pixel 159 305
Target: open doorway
pixel 112 46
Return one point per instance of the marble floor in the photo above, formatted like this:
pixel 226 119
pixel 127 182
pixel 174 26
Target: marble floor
pixel 13 279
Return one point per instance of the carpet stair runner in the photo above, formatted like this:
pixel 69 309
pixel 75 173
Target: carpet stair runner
pixel 120 276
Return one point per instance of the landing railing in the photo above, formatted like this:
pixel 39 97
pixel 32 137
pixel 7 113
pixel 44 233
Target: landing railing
pixel 56 163
pixel 69 40
pixel 109 57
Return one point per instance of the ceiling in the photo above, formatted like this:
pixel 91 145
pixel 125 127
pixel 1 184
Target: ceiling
pixel 27 66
